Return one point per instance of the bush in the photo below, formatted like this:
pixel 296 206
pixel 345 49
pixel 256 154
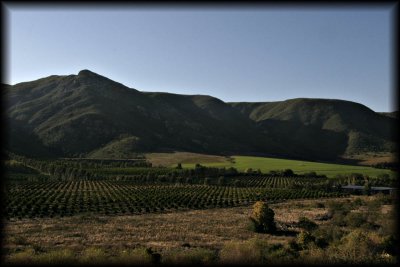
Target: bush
pixel 304 238
pixel 93 255
pixel 245 252
pixel 338 211
pixel 357 247
pixel 329 233
pixel 280 254
pixel 307 224
pixel 30 256
pixel 64 256
pixel 355 219
pixel 321 242
pixel 263 218
pixel 389 245
pixel 358 202
pixel 288 172
pixel 24 257
pixel 137 256
pixel 191 256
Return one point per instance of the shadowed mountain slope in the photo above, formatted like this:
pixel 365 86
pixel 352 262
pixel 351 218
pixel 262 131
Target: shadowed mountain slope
pixel 88 114
pixel 364 129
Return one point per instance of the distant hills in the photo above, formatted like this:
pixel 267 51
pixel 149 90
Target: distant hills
pixel 90 115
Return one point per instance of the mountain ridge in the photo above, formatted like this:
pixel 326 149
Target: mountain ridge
pixel 87 113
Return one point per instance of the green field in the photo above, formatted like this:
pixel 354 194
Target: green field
pixel 268 164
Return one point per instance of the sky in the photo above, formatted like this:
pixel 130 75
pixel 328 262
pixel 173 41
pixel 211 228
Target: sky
pixel 239 54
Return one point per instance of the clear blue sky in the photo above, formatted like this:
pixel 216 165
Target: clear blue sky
pixel 260 54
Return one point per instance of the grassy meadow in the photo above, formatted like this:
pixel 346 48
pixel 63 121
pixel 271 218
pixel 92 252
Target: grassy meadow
pixel 263 163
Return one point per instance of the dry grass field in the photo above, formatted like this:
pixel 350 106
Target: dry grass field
pixel 212 236
pixel 169 159
pixel 369 159
pixel 199 228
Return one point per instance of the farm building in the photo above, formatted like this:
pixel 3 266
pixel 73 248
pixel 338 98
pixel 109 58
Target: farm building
pixel 374 189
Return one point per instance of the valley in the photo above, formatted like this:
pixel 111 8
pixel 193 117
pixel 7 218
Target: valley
pixel 98 172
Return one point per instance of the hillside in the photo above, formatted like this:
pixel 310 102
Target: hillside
pixel 330 119
pixel 393 114
pixel 90 115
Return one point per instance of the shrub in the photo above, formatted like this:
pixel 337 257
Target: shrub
pixel 330 233
pixel 307 224
pixel 304 238
pixel 288 172
pixel 355 219
pixel 93 255
pixel 389 245
pixel 263 218
pixel 293 245
pixel 277 253
pixel 358 202
pixel 30 256
pixel 137 256
pixel 321 242
pixel 24 257
pixel 357 247
pixel 63 256
pixel 248 170
pixel 191 256
pixel 245 252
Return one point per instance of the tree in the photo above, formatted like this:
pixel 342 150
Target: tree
pixel 221 180
pixel 236 183
pixel 288 172
pixel 263 218
pixel 248 170
pixel 367 188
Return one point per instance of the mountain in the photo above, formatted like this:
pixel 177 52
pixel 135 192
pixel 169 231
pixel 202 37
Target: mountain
pixel 393 114
pixel 365 130
pixel 91 115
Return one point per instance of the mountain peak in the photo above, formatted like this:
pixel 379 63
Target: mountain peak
pixel 90 77
pixel 86 72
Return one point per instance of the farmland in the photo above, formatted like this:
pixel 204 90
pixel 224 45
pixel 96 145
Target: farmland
pixel 71 210
pixel 269 164
pixel 51 199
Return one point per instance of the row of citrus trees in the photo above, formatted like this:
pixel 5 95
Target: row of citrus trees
pixel 58 198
